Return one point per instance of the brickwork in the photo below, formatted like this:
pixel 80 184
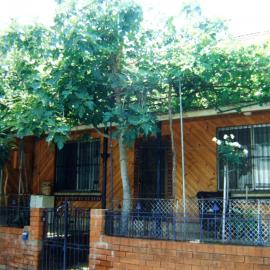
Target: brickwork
pixel 17 254
pixel 136 254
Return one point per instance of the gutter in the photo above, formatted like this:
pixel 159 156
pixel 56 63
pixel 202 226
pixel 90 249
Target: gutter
pixel 197 114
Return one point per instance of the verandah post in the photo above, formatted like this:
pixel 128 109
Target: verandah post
pixel 104 170
pixel 225 198
pixel 65 234
pixel 158 183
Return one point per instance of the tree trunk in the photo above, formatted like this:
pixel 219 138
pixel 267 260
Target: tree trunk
pixel 124 175
pixel 126 207
pixel 172 145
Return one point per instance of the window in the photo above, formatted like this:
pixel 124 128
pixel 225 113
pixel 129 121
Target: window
pixel 256 175
pixel 77 167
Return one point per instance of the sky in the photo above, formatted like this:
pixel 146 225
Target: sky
pixel 243 16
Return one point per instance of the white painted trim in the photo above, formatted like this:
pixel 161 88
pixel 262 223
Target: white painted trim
pixel 196 114
pixel 213 112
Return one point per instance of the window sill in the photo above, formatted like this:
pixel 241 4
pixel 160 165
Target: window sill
pixel 78 196
pixel 77 193
pixel 250 195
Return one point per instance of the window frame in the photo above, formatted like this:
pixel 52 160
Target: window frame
pixel 77 191
pixel 253 188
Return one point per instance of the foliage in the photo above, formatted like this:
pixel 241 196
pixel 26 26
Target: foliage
pixel 98 64
pixel 214 70
pixel 29 105
pixel 230 151
pixel 92 67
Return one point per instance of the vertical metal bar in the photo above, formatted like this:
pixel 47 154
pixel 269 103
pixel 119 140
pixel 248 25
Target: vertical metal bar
pixel 158 183
pixel 182 149
pixel 260 236
pixel 201 215
pixel 104 170
pixel 252 151
pixel 65 234
pixel 20 184
pixel 230 221
pixel 111 169
pixel 226 176
pixel 78 167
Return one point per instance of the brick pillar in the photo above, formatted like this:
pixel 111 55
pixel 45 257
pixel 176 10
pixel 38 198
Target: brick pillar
pixel 36 224
pixel 35 237
pixel 99 249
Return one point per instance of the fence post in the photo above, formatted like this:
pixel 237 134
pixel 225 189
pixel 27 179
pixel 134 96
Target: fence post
pixel 260 237
pixel 201 216
pixel 36 233
pixel 225 194
pixel 65 234
pixel 97 226
pixel 37 206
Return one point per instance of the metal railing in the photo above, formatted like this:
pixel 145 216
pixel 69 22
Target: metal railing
pixel 15 210
pixel 66 238
pixel 245 222
pixel 15 200
pixel 14 216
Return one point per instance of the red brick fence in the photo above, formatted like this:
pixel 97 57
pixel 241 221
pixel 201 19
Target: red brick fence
pixel 129 254
pixel 136 254
pixel 17 254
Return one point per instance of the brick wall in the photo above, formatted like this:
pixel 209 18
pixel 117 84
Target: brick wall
pixel 136 254
pixel 16 254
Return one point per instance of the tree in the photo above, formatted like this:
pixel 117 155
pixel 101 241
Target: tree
pixel 94 67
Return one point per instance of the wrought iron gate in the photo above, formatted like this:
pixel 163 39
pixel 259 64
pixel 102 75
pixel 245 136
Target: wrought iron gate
pixel 66 238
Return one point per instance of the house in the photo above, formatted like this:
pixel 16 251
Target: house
pixel 83 175
pixel 77 171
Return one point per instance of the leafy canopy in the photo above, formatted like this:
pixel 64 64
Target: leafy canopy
pixel 92 67
pixel 99 64
pixel 213 69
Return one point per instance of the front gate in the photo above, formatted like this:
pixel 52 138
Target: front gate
pixel 66 238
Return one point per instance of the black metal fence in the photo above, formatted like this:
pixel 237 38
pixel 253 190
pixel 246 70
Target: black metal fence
pixel 244 231
pixel 245 222
pixel 15 210
pixel 14 216
pixel 66 238
pixel 22 200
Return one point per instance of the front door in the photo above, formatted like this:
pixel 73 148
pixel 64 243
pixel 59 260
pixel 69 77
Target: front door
pixel 149 153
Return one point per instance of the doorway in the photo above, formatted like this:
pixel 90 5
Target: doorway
pixel 148 154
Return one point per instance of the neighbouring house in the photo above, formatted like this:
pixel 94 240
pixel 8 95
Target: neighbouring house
pixel 86 174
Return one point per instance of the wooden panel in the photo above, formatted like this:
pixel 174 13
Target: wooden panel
pixel 200 151
pixel 43 165
pixel 13 168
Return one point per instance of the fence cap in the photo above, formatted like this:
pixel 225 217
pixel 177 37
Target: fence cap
pixel 41 201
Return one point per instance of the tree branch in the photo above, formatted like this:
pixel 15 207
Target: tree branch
pixel 101 133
